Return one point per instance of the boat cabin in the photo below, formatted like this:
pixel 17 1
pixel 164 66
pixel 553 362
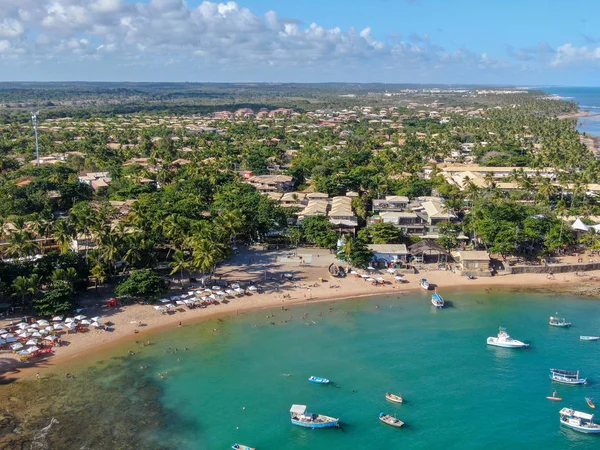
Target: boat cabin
pixel 298 411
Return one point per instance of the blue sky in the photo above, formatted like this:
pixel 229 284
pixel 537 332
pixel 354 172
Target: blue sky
pixel 522 42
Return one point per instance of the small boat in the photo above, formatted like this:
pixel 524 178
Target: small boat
pixel 437 300
pixel 579 421
pixel 300 417
pixel 424 283
pixel 590 402
pixel 566 377
pixel 559 322
pixel 393 398
pixel 241 447
pixel 504 340
pixel 589 338
pixel 470 277
pixel 390 420
pixel 318 380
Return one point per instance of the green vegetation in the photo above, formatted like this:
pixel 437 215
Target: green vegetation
pixel 143 284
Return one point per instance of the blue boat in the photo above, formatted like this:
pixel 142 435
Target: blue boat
pixel 424 283
pixel 437 300
pixel 300 417
pixel 318 380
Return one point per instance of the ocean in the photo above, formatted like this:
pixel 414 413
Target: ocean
pixel 229 386
pixel 588 99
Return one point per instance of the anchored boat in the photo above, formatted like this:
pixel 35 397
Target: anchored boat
pixel 424 283
pixel 437 300
pixel 300 417
pixel 578 421
pixel 390 420
pixel 566 377
pixel 504 340
pixel 559 322
pixel 590 402
pixel 241 447
pixel 589 338
pixel 318 380
pixel 393 398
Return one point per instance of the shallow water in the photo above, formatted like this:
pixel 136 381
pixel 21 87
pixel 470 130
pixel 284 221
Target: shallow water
pixel 459 393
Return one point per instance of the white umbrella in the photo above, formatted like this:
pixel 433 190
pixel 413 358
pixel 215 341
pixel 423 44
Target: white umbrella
pixel 3 331
pixel 212 296
pixel 99 325
pixel 69 320
pixel 370 279
pixel 32 349
pixel 23 334
pixel 365 275
pixel 36 334
pixel 399 277
pixel 85 322
pixel 235 286
pixel 239 290
pixel 380 279
pixel 175 297
pixel 80 317
pixel 23 353
pixel 43 323
pixel 44 332
pixel 353 272
pixel 2 342
pixel 159 308
pixel 58 326
pixel 391 270
pixel 370 268
pixel 230 291
pixel 164 300
pixel 221 293
pixel 191 292
pixel 253 288
pixel 188 302
pixel 49 328
pixel 31 342
pixel 32 327
pixel 23 325
pixel 208 290
pixel 169 306
pixel 96 319
pixel 17 346
pixel 288 275
pixel 180 302
pixel 50 338
pixel 57 318
pixel 216 288
pixel 70 325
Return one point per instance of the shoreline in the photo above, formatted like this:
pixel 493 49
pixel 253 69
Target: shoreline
pixel 93 345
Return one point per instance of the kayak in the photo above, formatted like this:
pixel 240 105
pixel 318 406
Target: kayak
pixel 590 402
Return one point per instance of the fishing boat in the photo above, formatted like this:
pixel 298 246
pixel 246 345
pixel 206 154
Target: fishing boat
pixel 554 397
pixel 589 338
pixel 300 417
pixel 393 398
pixel 437 300
pixel 559 322
pixel 566 377
pixel 504 340
pixel 579 421
pixel 590 402
pixel 318 380
pixel 241 447
pixel 390 420
pixel 424 283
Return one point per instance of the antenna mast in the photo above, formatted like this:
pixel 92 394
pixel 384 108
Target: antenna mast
pixel 34 122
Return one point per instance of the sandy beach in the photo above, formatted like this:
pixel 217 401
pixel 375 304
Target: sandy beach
pixel 265 269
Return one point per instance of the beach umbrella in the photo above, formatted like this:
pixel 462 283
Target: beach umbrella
pixel 391 271
pixel 70 325
pixel 370 268
pixel 365 275
pixel 370 279
pixel 180 302
pixel 44 332
pixel 175 297
pixel 2 342
pixel 380 279
pixel 57 319
pixel 31 342
pixel 69 320
pixel 85 322
pixel 169 306
pixel 80 317
pixel 96 319
pixel 43 323
pixel 23 325
pixel 32 349
pixel 2 331
pixel 33 325
pixel 17 346
pixel 164 300
pixel 253 288
pixel 99 325
pixel 49 328
pixel 288 275
pixel 235 286
pixel 23 353
pixel 11 339
pixel 191 292
pixel 36 334
pixel 23 334
pixel 50 338
pixel 158 308
pixel 58 326
pixel 212 296
pixel 399 277
pixel 230 291
pixel 216 288
pixel 353 272
pixel 221 293
pixel 239 290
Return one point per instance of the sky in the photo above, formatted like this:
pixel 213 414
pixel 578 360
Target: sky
pixel 511 42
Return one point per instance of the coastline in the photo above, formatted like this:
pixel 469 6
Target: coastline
pixel 89 347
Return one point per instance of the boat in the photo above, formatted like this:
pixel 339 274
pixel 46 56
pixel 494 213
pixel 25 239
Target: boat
pixel 241 447
pixel 559 322
pixel 318 380
pixel 579 421
pixel 393 398
pixel 589 338
pixel 390 420
pixel 504 340
pixel 566 377
pixel 554 397
pixel 424 283
pixel 590 402
pixel 300 417
pixel 437 300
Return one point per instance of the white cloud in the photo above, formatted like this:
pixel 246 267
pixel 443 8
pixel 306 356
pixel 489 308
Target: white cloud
pixel 568 54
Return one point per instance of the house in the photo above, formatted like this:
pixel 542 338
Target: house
pixel 389 253
pixel 391 203
pixel 314 208
pixel 97 180
pixel 272 183
pixel 473 260
pixel 437 212
pixel 341 214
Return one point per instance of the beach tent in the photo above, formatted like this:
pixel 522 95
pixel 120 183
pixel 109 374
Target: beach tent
pixel 578 225
pixel 391 271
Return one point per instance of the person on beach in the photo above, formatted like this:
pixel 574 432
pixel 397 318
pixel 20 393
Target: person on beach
pixel 179 324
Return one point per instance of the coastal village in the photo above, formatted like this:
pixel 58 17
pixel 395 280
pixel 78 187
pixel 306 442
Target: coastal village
pixel 337 232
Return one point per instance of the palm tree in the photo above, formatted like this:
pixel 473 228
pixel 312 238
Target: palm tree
pixel 20 244
pixel 21 286
pixel 97 272
pixel 64 233
pixel 207 254
pixel 179 264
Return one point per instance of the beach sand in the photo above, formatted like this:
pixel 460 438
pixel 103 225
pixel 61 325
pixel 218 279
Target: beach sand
pixel 261 268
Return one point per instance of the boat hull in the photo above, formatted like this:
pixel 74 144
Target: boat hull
pixel 330 424
pixel 494 343
pixel 394 398
pixel 559 325
pixel 318 380
pixel 241 447
pixel 397 424
pixel 589 338
pixel 575 382
pixel 581 429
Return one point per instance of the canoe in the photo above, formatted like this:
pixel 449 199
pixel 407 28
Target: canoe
pixel 386 418
pixel 556 399
pixel 590 402
pixel 241 447
pixel 393 398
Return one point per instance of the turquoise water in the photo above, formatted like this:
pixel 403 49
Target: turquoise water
pixel 459 393
pixel 588 99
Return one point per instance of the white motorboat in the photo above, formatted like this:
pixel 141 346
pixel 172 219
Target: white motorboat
pixel 504 340
pixel 589 338
pixel 559 322
pixel 424 283
pixel 579 421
